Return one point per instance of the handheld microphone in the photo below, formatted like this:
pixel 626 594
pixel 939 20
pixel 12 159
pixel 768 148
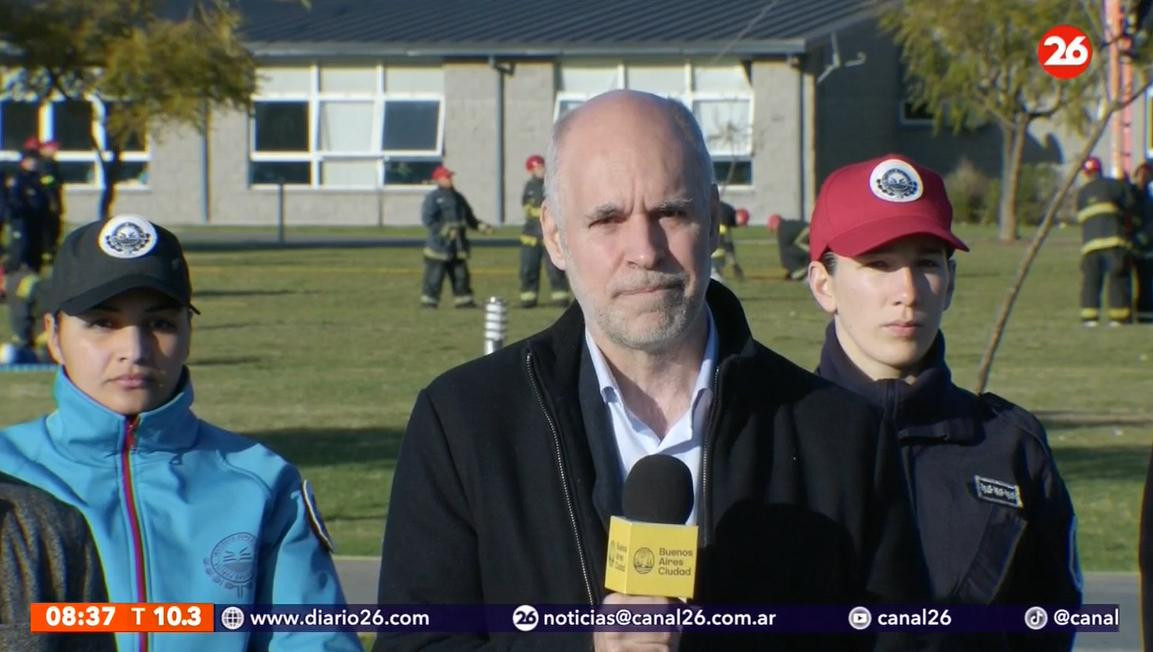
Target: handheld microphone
pixel 651 551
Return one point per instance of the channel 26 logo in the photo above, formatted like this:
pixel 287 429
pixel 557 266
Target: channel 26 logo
pixel 525 618
pixel 1065 52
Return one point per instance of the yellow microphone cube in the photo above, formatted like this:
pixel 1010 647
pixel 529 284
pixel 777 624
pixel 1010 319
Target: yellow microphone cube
pixel 652 559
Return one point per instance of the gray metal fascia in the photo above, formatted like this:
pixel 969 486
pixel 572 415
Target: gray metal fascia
pixel 336 50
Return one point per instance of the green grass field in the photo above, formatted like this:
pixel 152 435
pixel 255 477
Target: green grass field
pixel 320 352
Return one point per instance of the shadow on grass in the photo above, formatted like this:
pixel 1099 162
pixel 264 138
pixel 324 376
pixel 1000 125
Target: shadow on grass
pixel 213 294
pixel 1057 420
pixel 332 446
pixel 269 243
pixel 223 327
pixel 1127 463
pixel 223 361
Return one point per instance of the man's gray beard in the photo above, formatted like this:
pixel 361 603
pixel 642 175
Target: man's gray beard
pixel 677 310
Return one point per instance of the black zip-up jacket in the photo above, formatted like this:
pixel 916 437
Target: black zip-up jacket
pixel 995 519
pixel 506 479
pixel 46 555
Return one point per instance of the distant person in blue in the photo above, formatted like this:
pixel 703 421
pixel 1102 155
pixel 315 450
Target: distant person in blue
pixel 181 511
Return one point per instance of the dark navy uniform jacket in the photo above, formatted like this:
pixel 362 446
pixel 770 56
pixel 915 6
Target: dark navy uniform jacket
pixel 996 522
pixel 447 216
pixel 531 200
pixel 1102 205
pixel 28 205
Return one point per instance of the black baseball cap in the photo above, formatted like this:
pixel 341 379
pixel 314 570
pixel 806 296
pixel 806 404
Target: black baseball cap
pixel 102 259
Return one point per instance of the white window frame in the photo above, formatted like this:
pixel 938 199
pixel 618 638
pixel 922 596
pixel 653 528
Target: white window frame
pixel 688 96
pixel 316 157
pixel 44 120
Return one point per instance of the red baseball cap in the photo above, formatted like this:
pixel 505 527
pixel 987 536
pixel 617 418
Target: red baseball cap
pixel 31 143
pixel 1092 164
pixel 865 205
pixel 442 172
pixel 532 161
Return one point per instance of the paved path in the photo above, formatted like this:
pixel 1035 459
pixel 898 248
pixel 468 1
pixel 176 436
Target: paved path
pixel 359 575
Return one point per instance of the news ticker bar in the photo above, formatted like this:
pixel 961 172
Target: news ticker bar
pixel 785 619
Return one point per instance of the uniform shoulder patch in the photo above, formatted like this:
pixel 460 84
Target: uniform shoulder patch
pixel 314 519
pixel 996 491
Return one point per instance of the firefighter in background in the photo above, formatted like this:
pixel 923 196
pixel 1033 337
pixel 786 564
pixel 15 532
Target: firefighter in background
pixel 792 246
pixel 28 206
pixel 532 243
pixel 726 251
pixel 53 184
pixel 1102 206
pixel 447 216
pixel 1143 242
pixel 5 186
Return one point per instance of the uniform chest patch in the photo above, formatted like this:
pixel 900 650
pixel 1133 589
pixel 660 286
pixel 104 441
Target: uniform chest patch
pixel 996 491
pixel 232 563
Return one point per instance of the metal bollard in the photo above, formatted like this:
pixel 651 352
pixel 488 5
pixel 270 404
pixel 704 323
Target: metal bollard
pixel 495 324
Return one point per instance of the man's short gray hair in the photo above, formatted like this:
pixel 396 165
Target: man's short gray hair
pixel 682 117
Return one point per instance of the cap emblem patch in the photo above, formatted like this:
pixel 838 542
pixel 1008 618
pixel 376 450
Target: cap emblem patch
pixel 127 236
pixel 896 181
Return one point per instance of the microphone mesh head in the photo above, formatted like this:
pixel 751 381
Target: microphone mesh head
pixel 659 489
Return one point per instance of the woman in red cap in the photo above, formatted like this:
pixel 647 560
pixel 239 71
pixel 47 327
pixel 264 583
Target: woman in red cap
pixel 995 519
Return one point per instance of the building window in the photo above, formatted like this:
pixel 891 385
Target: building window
pixel 18 122
pixel 281 126
pixel 915 115
pixel 346 126
pixel 719 95
pixel 73 124
pixel 732 171
pixel 413 125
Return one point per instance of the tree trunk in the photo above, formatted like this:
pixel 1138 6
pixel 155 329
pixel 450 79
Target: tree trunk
pixel 1031 252
pixel 111 167
pixel 1012 146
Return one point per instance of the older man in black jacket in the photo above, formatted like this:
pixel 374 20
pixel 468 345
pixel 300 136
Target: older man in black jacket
pixel 513 464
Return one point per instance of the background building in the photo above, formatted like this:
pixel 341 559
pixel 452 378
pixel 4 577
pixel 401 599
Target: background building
pixel 360 99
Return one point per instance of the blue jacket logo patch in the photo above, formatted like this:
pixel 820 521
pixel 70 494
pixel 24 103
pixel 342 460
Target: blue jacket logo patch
pixel 232 562
pixel 995 491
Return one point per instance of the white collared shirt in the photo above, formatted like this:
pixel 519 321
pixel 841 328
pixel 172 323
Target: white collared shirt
pixel 635 439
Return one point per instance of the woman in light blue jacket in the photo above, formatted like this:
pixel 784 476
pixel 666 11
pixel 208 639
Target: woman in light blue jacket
pixel 182 511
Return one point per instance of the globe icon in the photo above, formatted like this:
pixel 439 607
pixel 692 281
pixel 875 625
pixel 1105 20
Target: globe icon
pixel 232 618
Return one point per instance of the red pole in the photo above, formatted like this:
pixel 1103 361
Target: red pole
pixel 1113 29
pixel 1130 160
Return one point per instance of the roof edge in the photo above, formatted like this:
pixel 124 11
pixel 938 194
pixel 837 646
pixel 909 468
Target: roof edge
pixel 295 50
